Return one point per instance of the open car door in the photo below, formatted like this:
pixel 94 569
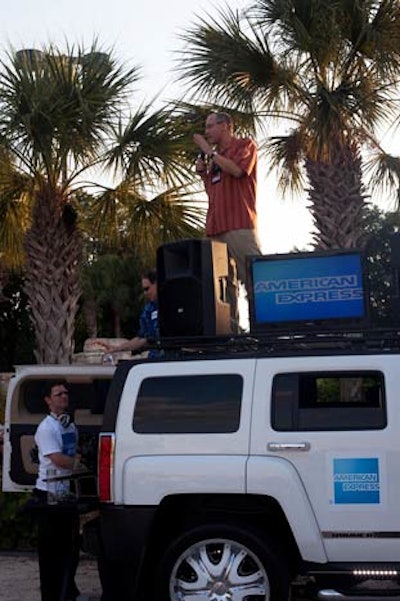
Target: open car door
pixel 25 408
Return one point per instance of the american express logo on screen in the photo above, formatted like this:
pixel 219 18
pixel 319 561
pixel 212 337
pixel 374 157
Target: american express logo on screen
pixel 308 288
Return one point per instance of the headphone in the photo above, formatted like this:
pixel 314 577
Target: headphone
pixel 64 419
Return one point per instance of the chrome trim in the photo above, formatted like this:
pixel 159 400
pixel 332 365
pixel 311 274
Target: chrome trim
pixel 288 446
pixel 360 534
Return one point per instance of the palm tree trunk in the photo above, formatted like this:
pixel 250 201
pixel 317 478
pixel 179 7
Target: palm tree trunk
pixel 338 210
pixel 53 246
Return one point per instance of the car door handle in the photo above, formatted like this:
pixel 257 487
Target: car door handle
pixel 288 446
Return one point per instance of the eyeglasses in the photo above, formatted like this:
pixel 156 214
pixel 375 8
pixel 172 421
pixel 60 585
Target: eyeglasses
pixel 61 393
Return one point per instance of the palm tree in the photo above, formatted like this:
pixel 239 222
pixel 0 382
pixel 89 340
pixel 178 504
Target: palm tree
pixel 329 70
pixel 56 111
pixel 61 116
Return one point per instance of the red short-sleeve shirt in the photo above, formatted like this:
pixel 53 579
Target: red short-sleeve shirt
pixel 232 200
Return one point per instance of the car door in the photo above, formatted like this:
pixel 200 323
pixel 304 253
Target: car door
pixel 335 421
pixel 183 426
pixel 25 409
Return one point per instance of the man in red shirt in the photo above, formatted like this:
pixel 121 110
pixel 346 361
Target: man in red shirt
pixel 228 167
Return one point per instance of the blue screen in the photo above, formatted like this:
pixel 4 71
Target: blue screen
pixel 307 288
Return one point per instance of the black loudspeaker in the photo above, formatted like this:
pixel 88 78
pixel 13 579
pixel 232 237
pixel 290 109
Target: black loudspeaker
pixel 192 285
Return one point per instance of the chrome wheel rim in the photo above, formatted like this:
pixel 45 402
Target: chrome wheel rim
pixel 219 570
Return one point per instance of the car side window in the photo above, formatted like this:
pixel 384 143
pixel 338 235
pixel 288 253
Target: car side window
pixel 328 401
pixel 189 404
pixel 90 395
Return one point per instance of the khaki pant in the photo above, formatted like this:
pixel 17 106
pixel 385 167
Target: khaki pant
pixel 240 243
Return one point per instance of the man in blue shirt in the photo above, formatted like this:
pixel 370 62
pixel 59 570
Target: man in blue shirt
pixel 148 329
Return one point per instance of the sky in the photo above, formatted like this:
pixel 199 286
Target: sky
pixel 147 34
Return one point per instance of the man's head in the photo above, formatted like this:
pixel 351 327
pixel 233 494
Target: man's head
pixel 149 285
pixel 219 127
pixel 55 394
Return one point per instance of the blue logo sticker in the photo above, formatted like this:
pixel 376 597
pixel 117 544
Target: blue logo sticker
pixel 356 480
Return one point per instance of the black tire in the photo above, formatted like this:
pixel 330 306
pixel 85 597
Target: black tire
pixel 220 562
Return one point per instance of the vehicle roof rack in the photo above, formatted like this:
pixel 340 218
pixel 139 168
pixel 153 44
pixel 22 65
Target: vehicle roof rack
pixel 368 340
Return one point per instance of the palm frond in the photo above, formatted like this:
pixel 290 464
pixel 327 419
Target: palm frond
pixel 226 65
pixel 286 154
pixel 299 27
pixel 124 217
pixel 56 108
pixel 383 172
pixel 151 149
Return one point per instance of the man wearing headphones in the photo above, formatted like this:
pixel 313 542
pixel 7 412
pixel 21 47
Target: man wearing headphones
pixel 58 527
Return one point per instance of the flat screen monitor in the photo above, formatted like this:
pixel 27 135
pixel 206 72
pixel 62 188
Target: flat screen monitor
pixel 312 290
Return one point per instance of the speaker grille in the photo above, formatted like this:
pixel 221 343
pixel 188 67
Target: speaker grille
pixel 191 280
pixel 181 307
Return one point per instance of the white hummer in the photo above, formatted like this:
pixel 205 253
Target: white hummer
pixel 227 473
